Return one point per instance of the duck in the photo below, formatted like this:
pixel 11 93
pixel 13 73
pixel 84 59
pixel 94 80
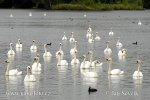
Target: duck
pixel 91 90
pixel 64 38
pixel 12 72
pixel 114 71
pixel 138 73
pixel 11 51
pixel 46 53
pixel 72 39
pixel 97 38
pixel 29 77
pixel 33 48
pixel 135 43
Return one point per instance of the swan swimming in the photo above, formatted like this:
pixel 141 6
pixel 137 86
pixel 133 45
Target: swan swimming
pixel 30 14
pixel 111 33
pixel 46 53
pixel 107 51
pixel 122 52
pixel 44 14
pixel 114 71
pixel 75 61
pixel 36 67
pixel 119 44
pixel 139 23
pixel 64 38
pixel 72 39
pixel 12 72
pixel 33 48
pixel 91 40
pixel 61 62
pixel 74 49
pixel 11 15
pixel 60 52
pixel 29 77
pixel 97 38
pixel 11 51
pixel 138 73
pixel 19 44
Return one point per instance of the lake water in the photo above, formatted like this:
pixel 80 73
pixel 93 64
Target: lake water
pixel 68 83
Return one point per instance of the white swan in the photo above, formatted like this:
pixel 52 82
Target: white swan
pixel 119 44
pixel 88 73
pixel 18 44
pixel 11 15
pixel 139 23
pixel 72 39
pixel 138 73
pixel 97 38
pixel 44 14
pixel 114 71
pixel 75 61
pixel 33 48
pixel 88 34
pixel 122 52
pixel 60 52
pixel 91 40
pixel 74 49
pixel 107 51
pixel 46 53
pixel 90 29
pixel 111 33
pixel 64 38
pixel 11 51
pixel 36 67
pixel 12 72
pixel 29 77
pixel 30 14
pixel 61 62
pixel 84 15
pixel 85 64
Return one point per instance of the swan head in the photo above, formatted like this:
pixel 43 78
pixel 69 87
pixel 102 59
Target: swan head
pixel 109 59
pixel 7 61
pixel 33 41
pixel 138 62
pixel 84 56
pixel 11 44
pixel 28 67
pixel 96 33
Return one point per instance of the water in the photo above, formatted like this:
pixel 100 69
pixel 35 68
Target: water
pixel 65 83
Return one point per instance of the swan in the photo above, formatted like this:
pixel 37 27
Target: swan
pixel 91 40
pixel 75 60
pixel 139 23
pixel 12 72
pixel 90 29
pixel 11 51
pixel 61 62
pixel 122 52
pixel 97 37
pixel 107 51
pixel 60 52
pixel 88 34
pixel 74 50
pixel 111 33
pixel 36 67
pixel 119 44
pixel 29 77
pixel 84 15
pixel 72 39
pixel 44 14
pixel 33 48
pixel 96 63
pixel 64 38
pixel 46 54
pixel 11 15
pixel 30 14
pixel 85 64
pixel 114 71
pixel 19 44
pixel 89 74
pixel 138 73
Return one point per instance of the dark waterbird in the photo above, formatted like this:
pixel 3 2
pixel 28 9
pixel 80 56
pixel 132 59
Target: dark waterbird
pixel 49 44
pixel 92 90
pixel 135 43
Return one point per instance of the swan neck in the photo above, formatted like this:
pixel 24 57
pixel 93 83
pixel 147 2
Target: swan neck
pixel 139 66
pixel 7 70
pixel 45 49
pixel 109 67
pixel 91 57
pixel 10 47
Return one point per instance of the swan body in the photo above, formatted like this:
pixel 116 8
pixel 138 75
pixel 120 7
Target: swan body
pixel 62 62
pixel 64 38
pixel 91 40
pixel 33 48
pixel 45 14
pixel 18 44
pixel 114 71
pixel 30 14
pixel 29 77
pixel 11 15
pixel 89 74
pixel 111 33
pixel 12 72
pixel 138 73
pixel 72 39
pixel 139 23
pixel 97 38
pixel 11 51
pixel 46 54
pixel 36 67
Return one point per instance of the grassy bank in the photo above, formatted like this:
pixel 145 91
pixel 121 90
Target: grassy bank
pixel 97 7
